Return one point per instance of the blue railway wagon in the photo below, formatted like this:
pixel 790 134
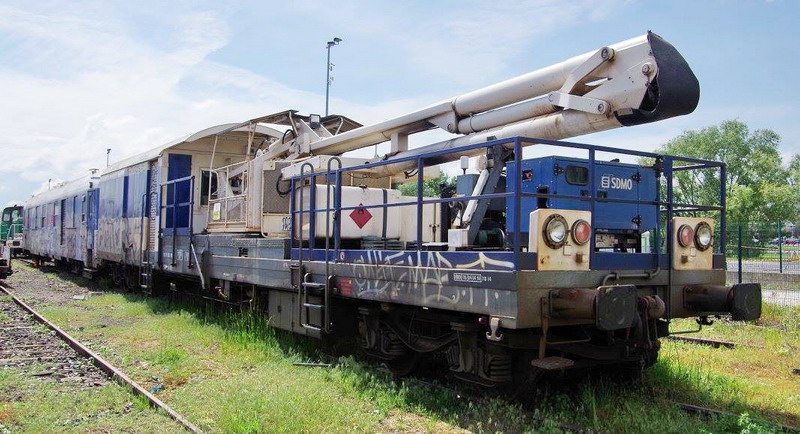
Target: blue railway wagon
pixel 122 198
pixel 55 222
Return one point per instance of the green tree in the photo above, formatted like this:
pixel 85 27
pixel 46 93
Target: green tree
pixel 430 187
pixel 758 187
pixel 794 170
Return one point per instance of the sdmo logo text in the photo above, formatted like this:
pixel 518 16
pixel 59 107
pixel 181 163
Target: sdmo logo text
pixel 616 183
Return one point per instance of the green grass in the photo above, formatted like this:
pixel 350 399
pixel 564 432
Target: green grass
pixel 231 372
pixel 35 406
pixel 761 365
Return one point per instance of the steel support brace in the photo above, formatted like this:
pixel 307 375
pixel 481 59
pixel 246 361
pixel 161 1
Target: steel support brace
pixel 498 158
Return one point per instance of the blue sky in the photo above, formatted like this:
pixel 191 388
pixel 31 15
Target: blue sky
pixel 78 77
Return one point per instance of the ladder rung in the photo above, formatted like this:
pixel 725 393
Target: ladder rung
pixel 314 306
pixel 313 285
pixel 311 327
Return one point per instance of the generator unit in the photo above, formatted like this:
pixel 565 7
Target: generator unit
pixel 618 227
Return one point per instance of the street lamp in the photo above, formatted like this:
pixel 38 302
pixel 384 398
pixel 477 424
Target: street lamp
pixel 329 68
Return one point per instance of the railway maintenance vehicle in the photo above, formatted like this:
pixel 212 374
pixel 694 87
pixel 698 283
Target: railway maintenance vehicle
pixel 11 228
pixel 560 260
pixel 10 237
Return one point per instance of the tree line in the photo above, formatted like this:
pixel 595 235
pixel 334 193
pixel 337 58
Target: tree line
pixel 759 187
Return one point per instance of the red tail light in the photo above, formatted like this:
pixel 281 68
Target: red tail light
pixel 581 232
pixel 685 235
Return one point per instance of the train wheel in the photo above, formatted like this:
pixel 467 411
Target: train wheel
pixel 403 365
pixel 524 382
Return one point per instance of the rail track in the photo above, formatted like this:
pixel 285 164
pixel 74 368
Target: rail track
pixel 31 342
pixel 710 412
pixel 715 343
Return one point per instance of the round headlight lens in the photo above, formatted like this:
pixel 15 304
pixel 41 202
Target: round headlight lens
pixel 555 231
pixel 581 232
pixel 685 235
pixel 703 236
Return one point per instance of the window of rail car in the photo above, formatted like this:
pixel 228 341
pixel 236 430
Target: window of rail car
pixel 6 216
pixel 66 212
pixel 83 208
pixel 125 184
pixel 208 177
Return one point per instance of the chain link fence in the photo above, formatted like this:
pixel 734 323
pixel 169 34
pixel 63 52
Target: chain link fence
pixel 768 254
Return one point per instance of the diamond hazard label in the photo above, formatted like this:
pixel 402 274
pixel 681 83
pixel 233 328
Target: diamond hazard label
pixel 361 216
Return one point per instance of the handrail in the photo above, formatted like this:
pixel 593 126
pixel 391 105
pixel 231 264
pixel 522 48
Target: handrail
pixel 530 140
pixel 489 196
pixel 302 174
pixel 665 165
pixel 145 220
pixel 327 311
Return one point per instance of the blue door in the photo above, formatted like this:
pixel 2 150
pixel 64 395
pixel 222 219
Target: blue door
pixel 92 209
pixel 179 191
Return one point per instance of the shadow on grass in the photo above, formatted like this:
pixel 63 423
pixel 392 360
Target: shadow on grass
pixel 600 399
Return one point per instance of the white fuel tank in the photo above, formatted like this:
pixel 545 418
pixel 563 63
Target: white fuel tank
pixel 391 222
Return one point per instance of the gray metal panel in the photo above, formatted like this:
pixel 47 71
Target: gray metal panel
pixel 283 313
pixel 274 202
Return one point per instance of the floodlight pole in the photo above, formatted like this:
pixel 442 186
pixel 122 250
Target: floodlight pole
pixel 328 68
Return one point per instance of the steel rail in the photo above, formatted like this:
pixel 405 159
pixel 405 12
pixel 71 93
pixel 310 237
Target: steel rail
pixel 707 412
pixel 113 372
pixel 716 343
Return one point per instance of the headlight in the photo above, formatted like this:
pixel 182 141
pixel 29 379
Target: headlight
pixel 555 231
pixel 703 236
pixel 685 235
pixel 581 232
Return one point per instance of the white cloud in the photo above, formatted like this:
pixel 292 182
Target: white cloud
pixel 79 85
pixel 80 82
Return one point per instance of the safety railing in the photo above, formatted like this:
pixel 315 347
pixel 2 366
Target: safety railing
pixel 229 207
pixel 664 164
pixel 228 210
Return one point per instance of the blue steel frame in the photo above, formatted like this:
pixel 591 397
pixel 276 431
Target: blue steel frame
pixel 597 260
